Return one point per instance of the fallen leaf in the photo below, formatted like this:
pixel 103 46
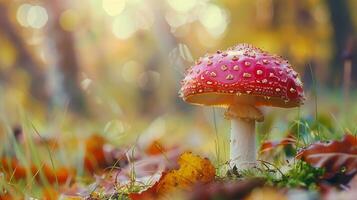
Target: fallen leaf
pixel 193 170
pixel 6 197
pixel 99 154
pixel 149 194
pixel 94 155
pixel 155 148
pixel 62 174
pixel 50 193
pixel 348 193
pixel 270 145
pixel 229 190
pixel 266 194
pixel 337 157
pixel 13 169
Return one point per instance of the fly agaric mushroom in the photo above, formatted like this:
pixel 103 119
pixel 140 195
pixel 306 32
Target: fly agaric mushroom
pixel 241 79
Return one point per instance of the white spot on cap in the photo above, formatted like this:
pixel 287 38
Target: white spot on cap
pixel 246 63
pixel 247 75
pixel 224 67
pixel 229 77
pixel 259 72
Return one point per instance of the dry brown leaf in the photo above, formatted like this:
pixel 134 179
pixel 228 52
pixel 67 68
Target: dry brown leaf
pixel 335 156
pixel 348 193
pixel 193 170
pixel 228 190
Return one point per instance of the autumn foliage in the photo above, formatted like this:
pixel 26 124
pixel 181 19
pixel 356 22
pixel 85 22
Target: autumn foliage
pixel 193 170
pixel 14 169
pixel 336 157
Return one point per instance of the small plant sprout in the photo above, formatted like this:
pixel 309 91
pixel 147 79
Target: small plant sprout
pixel 241 79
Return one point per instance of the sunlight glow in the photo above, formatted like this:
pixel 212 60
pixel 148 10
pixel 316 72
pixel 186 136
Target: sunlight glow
pixel 214 19
pixel 32 16
pixel 113 7
pixel 21 14
pixel 182 5
pixel 176 19
pixel 123 26
pixel 37 17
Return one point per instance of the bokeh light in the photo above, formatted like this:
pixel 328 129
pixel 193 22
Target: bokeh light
pixel 69 20
pixel 37 17
pixel 21 14
pixel 182 5
pixel 33 16
pixel 113 7
pixel 214 19
pixel 124 26
pixel 176 20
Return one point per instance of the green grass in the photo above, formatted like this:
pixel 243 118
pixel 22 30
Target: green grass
pixel 296 175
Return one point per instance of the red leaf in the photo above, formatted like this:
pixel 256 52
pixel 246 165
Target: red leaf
pixel 333 156
pixel 99 154
pixel 225 190
pixel 13 168
pixel 62 174
pixel 149 194
pixel 155 148
pixel 270 145
pixel 94 154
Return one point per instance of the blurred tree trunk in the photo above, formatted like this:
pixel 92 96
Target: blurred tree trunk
pixel 25 59
pixel 343 32
pixel 158 98
pixel 64 69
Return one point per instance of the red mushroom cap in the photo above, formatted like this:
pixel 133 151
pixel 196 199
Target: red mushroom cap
pixel 243 74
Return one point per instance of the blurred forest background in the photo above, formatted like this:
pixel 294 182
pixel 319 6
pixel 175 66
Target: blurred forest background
pixel 114 66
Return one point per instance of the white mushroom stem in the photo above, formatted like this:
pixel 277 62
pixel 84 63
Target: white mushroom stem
pixel 242 142
pixel 242 139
